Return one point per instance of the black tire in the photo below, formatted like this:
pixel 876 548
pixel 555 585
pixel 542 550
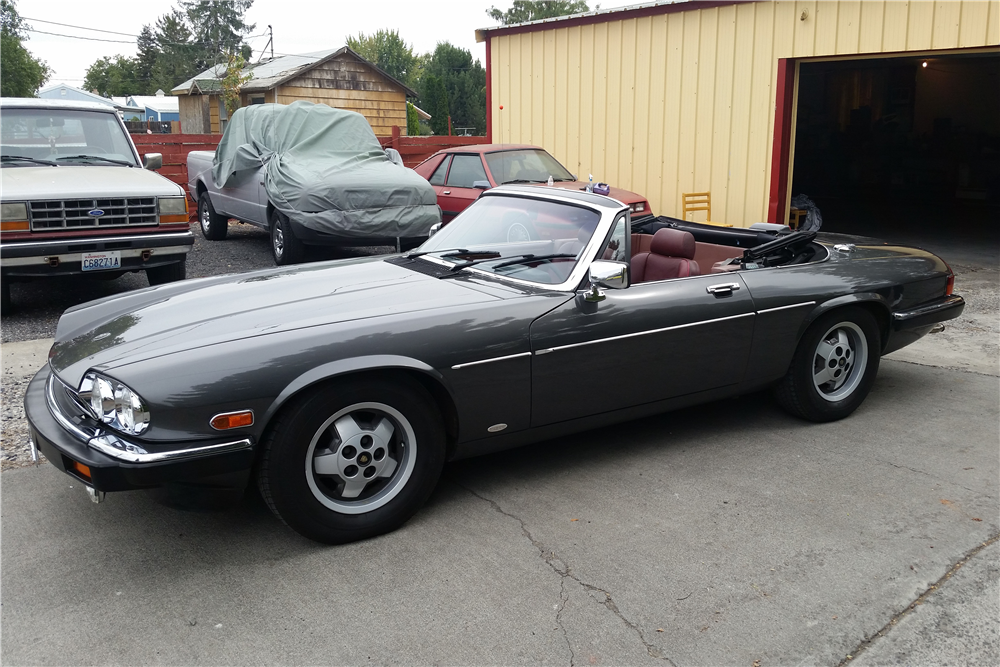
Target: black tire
pixel 285 247
pixel 214 227
pixel 314 498
pixel 5 302
pixel 168 273
pixel 834 366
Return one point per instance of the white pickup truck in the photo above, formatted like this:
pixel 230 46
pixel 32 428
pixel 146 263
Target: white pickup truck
pixel 76 198
pixel 310 175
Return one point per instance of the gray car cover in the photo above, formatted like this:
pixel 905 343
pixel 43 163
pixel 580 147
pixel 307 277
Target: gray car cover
pixel 325 169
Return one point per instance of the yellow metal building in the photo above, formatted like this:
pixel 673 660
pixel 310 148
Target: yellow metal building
pixel 668 98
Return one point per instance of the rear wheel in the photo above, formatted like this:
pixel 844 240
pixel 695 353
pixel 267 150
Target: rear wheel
pixel 834 366
pixel 214 227
pixel 285 248
pixel 353 460
pixel 160 275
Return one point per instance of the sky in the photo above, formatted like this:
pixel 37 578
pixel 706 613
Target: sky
pixel 300 26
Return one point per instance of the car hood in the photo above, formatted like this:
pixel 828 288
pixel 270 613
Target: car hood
pixel 83 182
pixel 163 320
pixel 624 196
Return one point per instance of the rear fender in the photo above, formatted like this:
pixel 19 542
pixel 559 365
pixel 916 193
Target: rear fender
pixel 873 302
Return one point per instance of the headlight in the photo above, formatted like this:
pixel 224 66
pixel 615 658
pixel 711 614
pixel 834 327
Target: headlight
pixel 114 404
pixel 173 209
pixel 14 217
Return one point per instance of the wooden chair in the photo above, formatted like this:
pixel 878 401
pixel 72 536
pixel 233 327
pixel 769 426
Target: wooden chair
pixel 700 201
pixel 795 216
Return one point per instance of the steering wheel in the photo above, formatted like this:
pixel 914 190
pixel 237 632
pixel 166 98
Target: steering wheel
pixel 521 232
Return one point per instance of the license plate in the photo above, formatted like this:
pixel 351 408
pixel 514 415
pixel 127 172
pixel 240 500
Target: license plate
pixel 99 261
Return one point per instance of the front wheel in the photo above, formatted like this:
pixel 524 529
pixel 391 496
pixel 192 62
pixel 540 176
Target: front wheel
pixel 834 366
pixel 353 460
pixel 169 273
pixel 285 247
pixel 214 227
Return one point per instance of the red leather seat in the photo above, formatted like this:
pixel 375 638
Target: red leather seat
pixel 671 255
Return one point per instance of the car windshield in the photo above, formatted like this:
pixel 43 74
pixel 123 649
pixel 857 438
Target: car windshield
pixel 62 136
pixel 528 165
pixel 518 237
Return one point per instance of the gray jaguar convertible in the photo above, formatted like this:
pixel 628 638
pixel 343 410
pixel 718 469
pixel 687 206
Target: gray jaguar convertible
pixel 341 388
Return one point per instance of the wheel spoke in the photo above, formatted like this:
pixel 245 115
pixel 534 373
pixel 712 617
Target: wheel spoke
pixel 388 467
pixel 354 486
pixel 822 376
pixel 325 464
pixel 347 428
pixel 825 350
pixel 384 430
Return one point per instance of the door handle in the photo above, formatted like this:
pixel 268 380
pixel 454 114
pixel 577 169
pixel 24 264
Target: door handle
pixel 446 192
pixel 723 289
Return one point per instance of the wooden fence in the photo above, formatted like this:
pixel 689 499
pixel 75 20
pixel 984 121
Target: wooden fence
pixel 175 149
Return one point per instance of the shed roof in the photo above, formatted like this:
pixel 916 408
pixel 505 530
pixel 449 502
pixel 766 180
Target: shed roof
pixel 160 103
pixel 272 73
pixel 54 92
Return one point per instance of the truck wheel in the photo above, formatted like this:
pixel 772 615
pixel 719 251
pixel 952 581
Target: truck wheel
pixel 285 248
pixel 5 305
pixel 213 226
pixel 160 275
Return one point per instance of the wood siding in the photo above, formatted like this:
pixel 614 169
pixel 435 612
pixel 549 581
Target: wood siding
pixel 684 101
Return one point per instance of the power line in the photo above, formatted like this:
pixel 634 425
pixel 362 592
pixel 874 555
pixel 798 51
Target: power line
pixel 90 39
pixel 80 27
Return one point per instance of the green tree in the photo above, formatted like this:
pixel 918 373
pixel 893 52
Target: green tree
pixel 145 61
pixel 21 74
pixel 388 50
pixel 412 120
pixel 112 77
pixel 177 57
pixel 218 29
pixel 464 81
pixel 233 81
pixel 523 11
pixel 435 100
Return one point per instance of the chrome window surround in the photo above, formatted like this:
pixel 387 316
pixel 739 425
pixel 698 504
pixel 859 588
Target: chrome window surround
pixel 117 447
pixel 608 213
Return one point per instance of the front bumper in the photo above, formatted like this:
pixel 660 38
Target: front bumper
pixel 123 470
pixel 33 259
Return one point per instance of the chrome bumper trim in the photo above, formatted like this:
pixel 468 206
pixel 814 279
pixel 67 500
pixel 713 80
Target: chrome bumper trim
pixel 75 257
pixel 123 450
pixel 944 304
pixel 145 238
pixel 489 361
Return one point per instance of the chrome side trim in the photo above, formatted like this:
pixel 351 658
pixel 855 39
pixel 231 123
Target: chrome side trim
pixel 489 361
pixel 116 447
pixel 943 304
pixel 641 333
pixel 170 236
pixel 794 305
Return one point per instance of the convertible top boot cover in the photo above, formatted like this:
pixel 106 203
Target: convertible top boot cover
pixel 325 169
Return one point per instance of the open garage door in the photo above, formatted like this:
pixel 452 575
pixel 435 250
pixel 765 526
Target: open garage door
pixel 904 148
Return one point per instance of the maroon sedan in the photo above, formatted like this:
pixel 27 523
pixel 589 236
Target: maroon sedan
pixel 460 174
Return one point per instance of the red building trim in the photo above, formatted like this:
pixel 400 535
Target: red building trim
pixel 606 16
pixel 489 94
pixel 781 148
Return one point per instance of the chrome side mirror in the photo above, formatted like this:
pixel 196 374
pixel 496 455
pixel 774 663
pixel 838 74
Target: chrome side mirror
pixel 607 274
pixel 152 161
pixel 435 228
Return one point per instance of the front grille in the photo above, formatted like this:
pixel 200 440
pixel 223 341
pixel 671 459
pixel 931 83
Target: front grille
pixel 75 213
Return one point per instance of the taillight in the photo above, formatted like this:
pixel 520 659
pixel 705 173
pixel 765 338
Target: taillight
pixel 950 286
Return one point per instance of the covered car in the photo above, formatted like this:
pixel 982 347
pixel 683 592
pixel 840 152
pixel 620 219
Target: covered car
pixel 326 173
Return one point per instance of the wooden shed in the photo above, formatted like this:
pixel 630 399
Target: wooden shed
pixel 340 78
pixel 667 98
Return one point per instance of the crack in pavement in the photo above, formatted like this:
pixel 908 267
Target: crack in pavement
pixel 940 479
pixel 561 568
pixel 867 641
pixel 944 368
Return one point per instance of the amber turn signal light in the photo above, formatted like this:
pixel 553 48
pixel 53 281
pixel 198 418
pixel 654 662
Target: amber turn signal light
pixel 174 218
pixel 230 420
pixel 14 226
pixel 80 468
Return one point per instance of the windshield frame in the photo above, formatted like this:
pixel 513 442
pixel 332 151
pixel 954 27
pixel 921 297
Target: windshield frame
pixel 607 208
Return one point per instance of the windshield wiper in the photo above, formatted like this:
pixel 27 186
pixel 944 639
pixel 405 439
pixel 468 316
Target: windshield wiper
pixel 25 158
pixel 95 157
pixel 524 180
pixel 457 251
pixel 513 259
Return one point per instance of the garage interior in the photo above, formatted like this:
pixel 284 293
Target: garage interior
pixel 906 149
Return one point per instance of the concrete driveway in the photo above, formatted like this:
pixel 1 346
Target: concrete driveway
pixel 729 534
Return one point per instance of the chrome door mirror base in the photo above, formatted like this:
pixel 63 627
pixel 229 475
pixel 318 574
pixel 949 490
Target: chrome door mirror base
pixel 152 161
